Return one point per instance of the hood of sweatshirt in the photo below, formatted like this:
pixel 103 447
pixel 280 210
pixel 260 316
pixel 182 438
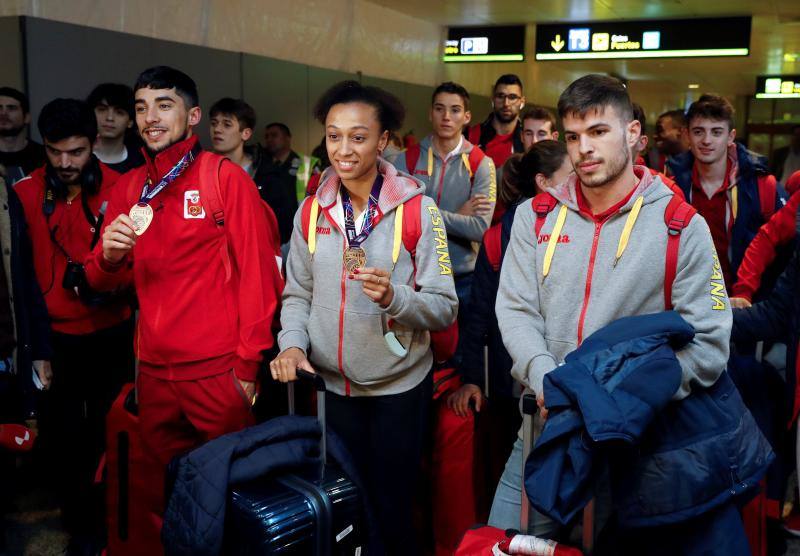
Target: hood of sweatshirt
pixel 398 187
pixel 647 188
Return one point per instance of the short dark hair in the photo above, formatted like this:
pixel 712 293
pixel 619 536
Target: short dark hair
pixel 67 117
pixel 507 79
pixel 453 89
pixel 391 111
pixel 283 127
pixel 595 92
pixel 519 171
pixel 113 94
pixel 711 106
pixel 678 117
pixel 540 113
pixel 165 77
pixel 639 115
pixel 17 95
pixel 237 108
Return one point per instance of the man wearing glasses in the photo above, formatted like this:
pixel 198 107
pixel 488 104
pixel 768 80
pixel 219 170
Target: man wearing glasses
pixel 500 135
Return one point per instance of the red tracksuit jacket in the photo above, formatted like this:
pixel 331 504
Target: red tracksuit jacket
pixel 206 304
pixel 68 314
pixel 779 230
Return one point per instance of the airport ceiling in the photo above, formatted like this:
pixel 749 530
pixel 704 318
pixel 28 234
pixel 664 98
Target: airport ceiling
pixel 774 47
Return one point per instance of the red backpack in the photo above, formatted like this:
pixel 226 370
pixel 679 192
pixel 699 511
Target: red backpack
pixel 471 161
pixel 677 216
pixel 408 215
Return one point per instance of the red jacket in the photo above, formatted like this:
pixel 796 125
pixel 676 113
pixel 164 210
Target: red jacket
pixel 779 230
pixel 207 296
pixel 72 230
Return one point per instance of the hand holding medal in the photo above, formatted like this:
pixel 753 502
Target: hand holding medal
pixel 119 238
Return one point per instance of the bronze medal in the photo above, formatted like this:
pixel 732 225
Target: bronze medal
pixel 354 258
pixel 142 215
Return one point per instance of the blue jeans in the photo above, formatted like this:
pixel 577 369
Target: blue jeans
pixel 508 501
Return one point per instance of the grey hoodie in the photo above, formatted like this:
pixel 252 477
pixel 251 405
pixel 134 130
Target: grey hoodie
pixel 329 317
pixel 450 185
pixel 542 319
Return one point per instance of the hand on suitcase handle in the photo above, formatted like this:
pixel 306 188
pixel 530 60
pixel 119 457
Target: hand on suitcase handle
pixel 284 367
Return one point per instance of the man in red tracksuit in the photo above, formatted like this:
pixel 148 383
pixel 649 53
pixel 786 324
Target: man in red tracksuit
pixel 63 202
pixel 205 276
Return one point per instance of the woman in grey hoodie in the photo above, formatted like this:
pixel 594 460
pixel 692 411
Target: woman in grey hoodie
pixel 359 306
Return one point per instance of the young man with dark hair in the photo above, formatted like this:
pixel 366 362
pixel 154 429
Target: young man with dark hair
pixel 538 124
pixel 188 231
pixel 113 106
pixel 499 136
pixel 64 204
pixel 585 248
pixel 19 155
pixel 232 124
pixel 671 139
pixel 727 184
pixel 288 172
pixel 459 177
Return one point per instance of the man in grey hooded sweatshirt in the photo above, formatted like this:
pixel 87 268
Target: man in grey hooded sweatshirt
pixel 599 256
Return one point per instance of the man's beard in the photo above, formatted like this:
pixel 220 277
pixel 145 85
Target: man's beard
pixel 76 172
pixel 615 167
pixel 500 117
pixel 11 131
pixel 154 152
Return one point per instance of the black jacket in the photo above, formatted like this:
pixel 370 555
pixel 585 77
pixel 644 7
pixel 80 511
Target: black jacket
pixel 777 318
pixel 479 327
pixel 277 187
pixel 27 303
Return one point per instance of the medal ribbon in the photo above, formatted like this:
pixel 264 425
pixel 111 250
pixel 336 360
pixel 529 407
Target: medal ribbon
pixel 149 194
pixel 353 239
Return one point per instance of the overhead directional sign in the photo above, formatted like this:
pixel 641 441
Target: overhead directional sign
pixel 669 38
pixel 778 86
pixel 485 44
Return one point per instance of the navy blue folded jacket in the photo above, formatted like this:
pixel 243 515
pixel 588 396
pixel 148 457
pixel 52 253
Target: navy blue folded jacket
pixel 194 521
pixel 610 403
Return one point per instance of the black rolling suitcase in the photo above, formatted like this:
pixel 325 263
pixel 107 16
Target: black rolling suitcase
pixel 318 511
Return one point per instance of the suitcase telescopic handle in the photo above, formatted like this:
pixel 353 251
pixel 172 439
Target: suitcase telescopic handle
pixel 319 386
pixel 529 409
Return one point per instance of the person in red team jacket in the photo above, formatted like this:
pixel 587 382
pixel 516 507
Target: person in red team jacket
pixel 188 231
pixel 91 333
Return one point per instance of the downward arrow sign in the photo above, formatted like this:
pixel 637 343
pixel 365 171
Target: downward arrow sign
pixel 557 44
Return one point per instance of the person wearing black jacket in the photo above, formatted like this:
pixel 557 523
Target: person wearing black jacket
pixel 24 331
pixel 544 165
pixel 777 318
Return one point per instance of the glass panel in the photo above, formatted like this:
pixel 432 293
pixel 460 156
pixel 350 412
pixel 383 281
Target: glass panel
pixel 760 111
pixel 758 142
pixel 787 111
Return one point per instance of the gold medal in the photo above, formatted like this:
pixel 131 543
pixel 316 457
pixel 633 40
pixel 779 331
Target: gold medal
pixel 142 215
pixel 354 258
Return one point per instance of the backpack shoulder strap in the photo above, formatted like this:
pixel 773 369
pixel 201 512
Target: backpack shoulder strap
pixel 474 134
pixel 308 221
pixel 677 216
pixel 493 244
pixel 543 204
pixel 412 157
pixel 767 190
pixel 210 192
pixel 411 224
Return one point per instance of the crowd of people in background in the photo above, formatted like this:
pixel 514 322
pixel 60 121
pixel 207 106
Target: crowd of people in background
pixel 424 280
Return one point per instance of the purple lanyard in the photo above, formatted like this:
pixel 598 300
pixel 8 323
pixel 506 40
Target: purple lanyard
pixel 353 239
